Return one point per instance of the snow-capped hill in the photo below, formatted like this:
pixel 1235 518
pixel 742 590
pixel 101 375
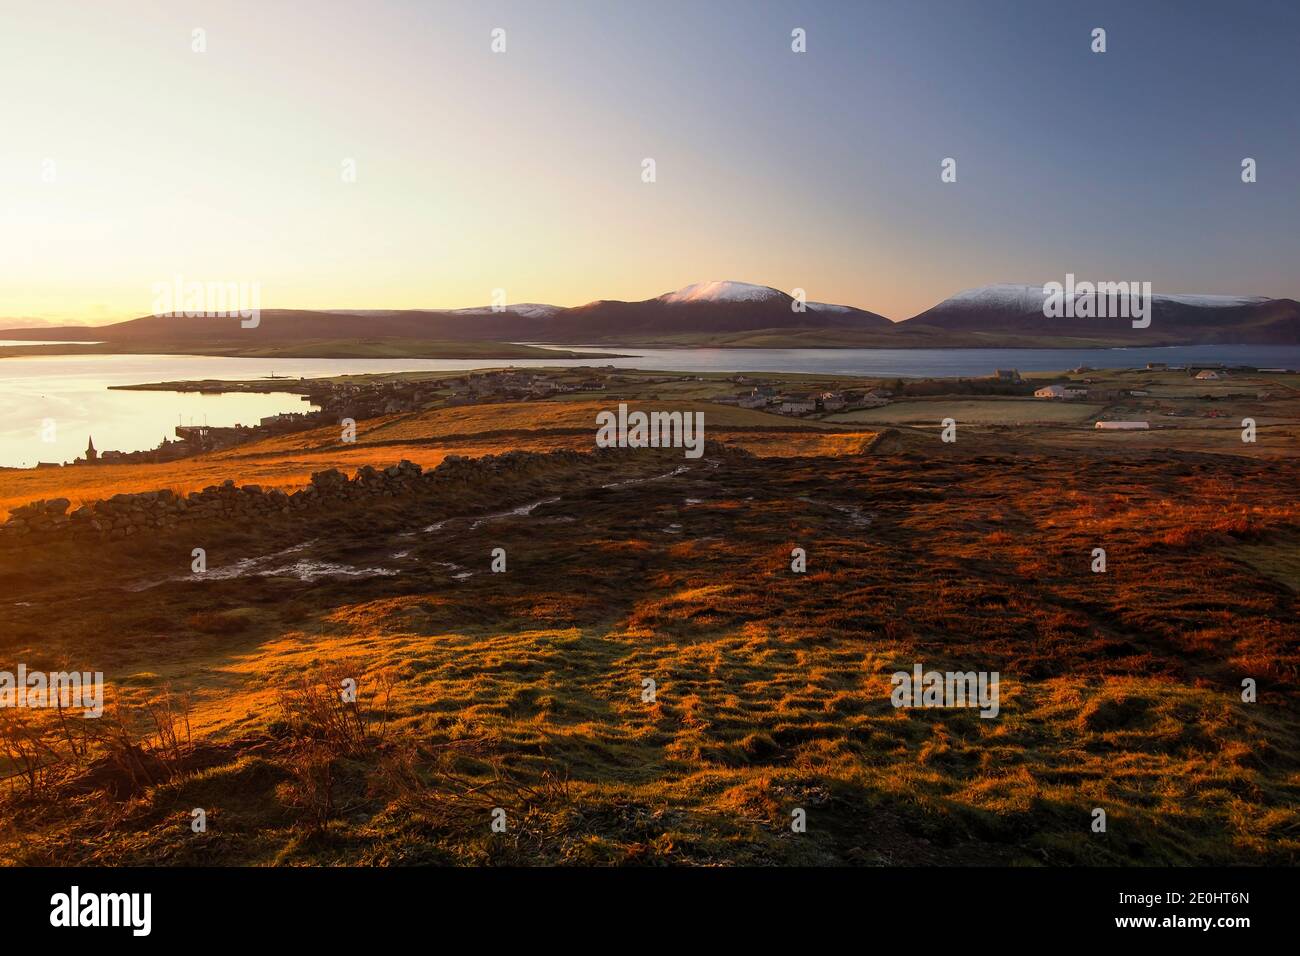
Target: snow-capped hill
pixel 1212 301
pixel 1018 310
pixel 724 291
pixel 1002 295
pixel 706 307
pixel 529 310
pixel 1018 296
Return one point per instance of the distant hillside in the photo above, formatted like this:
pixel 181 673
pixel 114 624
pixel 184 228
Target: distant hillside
pixel 278 326
pixel 1017 310
pixel 705 308
pixel 718 314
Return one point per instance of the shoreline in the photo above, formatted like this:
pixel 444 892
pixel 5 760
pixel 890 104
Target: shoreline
pixel 377 349
pixel 570 353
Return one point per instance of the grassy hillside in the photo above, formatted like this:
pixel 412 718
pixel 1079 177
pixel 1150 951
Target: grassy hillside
pixel 524 690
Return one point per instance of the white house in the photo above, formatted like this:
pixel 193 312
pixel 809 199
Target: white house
pixel 1121 426
pixel 1206 375
pixel 280 418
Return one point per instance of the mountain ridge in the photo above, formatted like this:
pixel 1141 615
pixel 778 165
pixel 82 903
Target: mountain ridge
pixel 995 315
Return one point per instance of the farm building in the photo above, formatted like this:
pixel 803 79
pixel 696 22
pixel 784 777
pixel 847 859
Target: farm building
pixel 798 404
pixel 1103 394
pixel 1206 375
pixel 1068 391
pixel 1121 426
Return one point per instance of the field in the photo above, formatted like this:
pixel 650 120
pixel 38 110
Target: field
pixel 524 690
pixel 1009 411
pixel 287 461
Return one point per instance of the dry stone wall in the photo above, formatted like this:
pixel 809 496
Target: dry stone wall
pixel 128 515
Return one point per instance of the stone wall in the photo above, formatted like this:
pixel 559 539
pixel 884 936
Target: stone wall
pixel 128 515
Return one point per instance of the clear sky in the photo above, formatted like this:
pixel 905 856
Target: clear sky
pixel 522 170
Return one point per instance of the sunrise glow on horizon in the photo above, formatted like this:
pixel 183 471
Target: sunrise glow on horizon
pixel 845 448
pixel 142 159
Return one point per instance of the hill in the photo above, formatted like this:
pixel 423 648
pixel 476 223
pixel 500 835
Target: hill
pixel 1017 310
pixel 706 314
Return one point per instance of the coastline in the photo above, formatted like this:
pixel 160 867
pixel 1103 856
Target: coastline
pixel 332 349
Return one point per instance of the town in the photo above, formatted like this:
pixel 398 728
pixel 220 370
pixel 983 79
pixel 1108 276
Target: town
pixel 364 397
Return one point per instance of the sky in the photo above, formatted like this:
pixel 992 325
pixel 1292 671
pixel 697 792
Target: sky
pixel 128 159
